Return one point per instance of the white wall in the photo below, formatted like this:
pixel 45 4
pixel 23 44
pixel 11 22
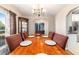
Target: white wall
pixel 61 19
pixel 49 26
pixel 51 21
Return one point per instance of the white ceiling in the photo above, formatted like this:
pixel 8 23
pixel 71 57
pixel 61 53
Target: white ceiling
pixel 51 9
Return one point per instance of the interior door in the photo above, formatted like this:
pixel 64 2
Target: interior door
pixel 39 28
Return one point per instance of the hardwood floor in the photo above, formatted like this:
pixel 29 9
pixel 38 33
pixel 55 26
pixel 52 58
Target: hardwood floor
pixel 70 53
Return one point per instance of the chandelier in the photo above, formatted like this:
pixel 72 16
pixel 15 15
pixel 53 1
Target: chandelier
pixel 38 10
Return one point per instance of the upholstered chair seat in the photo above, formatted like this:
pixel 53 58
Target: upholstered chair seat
pixel 61 40
pixel 13 41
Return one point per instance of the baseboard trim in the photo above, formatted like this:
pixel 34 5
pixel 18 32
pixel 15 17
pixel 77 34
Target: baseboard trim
pixel 70 53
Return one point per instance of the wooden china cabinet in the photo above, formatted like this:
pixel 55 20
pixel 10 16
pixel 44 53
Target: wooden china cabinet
pixel 22 24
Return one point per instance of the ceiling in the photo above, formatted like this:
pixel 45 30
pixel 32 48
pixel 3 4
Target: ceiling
pixel 51 9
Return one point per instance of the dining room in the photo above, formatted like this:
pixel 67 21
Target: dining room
pixel 34 29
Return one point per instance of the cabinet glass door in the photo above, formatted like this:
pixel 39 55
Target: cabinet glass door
pixel 24 26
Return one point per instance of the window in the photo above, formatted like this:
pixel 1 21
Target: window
pixel 2 29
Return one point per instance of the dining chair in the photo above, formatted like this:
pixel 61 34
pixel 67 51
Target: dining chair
pixel 13 41
pixel 25 35
pixel 61 40
pixel 51 35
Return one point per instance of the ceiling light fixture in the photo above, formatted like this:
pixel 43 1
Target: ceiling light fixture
pixel 38 10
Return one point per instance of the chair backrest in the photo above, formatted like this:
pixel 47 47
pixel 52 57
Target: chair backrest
pixel 61 40
pixel 51 35
pixel 25 35
pixel 13 41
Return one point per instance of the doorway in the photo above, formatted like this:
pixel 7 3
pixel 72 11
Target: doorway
pixel 39 28
pixel 73 30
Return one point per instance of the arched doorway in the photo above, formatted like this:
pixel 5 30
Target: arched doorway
pixel 72 27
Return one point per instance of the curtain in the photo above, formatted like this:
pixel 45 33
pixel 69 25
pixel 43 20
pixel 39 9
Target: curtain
pixel 12 22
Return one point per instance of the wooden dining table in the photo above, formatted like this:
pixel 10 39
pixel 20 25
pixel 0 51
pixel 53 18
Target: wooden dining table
pixel 38 46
